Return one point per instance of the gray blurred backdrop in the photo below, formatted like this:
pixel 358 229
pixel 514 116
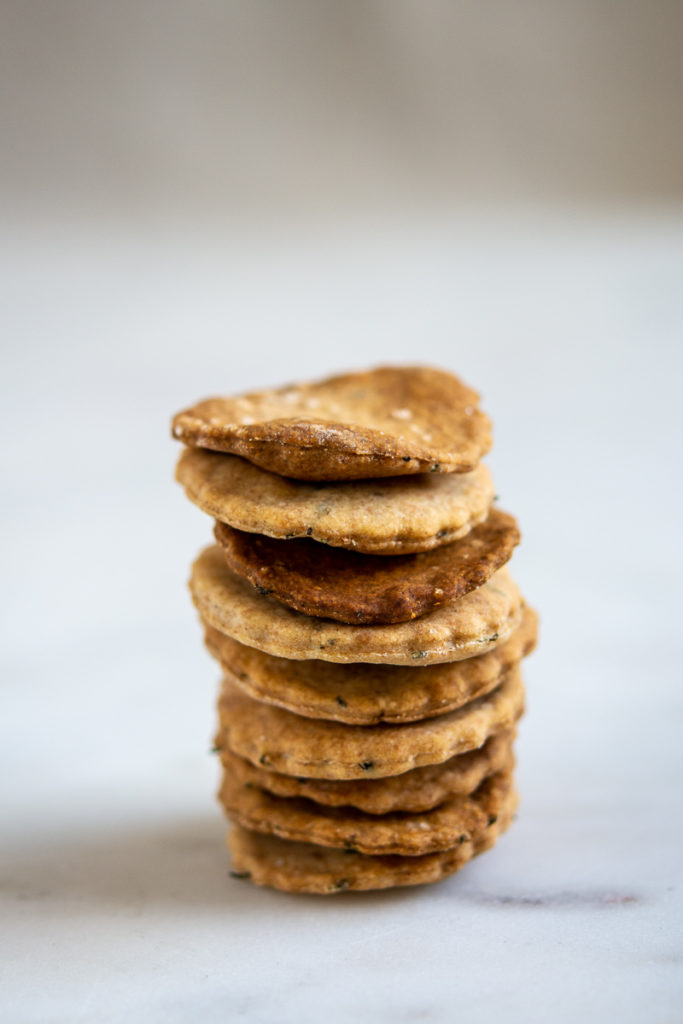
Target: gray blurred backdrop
pixel 220 108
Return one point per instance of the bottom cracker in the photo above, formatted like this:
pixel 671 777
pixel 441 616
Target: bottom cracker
pixel 302 867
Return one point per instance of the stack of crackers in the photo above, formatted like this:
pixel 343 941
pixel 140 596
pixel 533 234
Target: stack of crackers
pixel 369 633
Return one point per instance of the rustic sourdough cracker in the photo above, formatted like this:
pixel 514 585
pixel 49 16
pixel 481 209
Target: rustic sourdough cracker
pixel 369 589
pixel 391 421
pixel 398 515
pixel 303 867
pixel 473 625
pixel 455 821
pixel 363 694
pixel 418 790
pixel 314 748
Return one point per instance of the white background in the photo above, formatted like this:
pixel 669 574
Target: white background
pixel 117 903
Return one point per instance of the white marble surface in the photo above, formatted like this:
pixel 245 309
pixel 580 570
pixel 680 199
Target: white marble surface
pixel 116 904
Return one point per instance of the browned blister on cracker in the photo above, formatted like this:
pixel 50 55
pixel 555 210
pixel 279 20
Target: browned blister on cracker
pixel 476 623
pixel 304 867
pixel 315 748
pixel 418 790
pixel 393 516
pixel 392 421
pixel 365 694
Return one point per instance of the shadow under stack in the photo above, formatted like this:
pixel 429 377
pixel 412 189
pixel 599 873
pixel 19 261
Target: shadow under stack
pixel 369 633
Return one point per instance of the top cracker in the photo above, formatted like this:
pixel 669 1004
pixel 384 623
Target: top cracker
pixel 390 421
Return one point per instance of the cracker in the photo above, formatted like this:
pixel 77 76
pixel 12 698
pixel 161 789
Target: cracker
pixel 314 748
pixel 455 821
pixel 366 694
pixel 304 867
pixel 369 589
pixel 392 421
pixel 473 625
pixel 398 515
pixel 418 790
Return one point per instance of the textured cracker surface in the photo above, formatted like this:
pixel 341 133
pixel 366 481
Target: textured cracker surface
pixel 369 589
pixel 304 867
pixel 457 820
pixel 385 422
pixel 418 790
pixel 314 748
pixel 461 629
pixel 362 694
pixel 397 515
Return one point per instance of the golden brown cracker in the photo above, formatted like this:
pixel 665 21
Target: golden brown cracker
pixel 418 790
pixel 362 694
pixel 393 516
pixel 391 421
pixel 314 748
pixel 363 589
pixel 455 821
pixel 304 867
pixel 476 623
